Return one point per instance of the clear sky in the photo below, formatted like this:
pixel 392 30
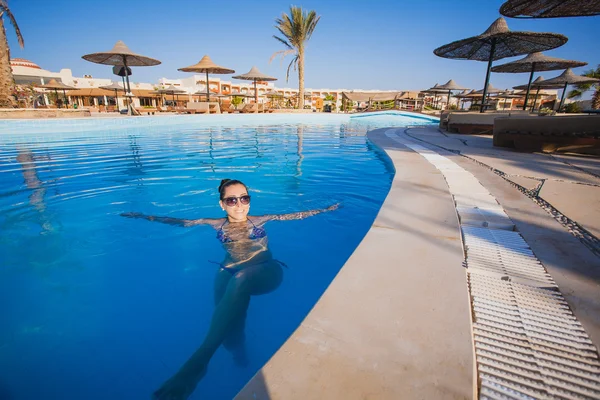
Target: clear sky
pixel 375 44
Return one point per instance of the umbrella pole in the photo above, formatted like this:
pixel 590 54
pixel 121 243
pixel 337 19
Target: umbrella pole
pixel 255 95
pixel 562 98
pixel 487 75
pixel 449 94
pixel 535 99
pixel 117 99
pixel 65 97
pixel 56 94
pixel 529 86
pixel 130 105
pixel 207 88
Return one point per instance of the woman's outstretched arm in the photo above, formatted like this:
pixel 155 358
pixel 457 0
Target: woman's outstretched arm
pixel 292 216
pixel 174 221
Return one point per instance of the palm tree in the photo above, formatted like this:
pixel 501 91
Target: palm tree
pixel 7 81
pixel 296 28
pixel 579 89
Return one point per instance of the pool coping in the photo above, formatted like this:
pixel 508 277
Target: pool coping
pixel 367 337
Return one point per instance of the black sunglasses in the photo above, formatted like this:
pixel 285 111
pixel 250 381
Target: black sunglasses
pixel 232 201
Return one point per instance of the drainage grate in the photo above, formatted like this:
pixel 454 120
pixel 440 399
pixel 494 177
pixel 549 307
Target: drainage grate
pixel 528 343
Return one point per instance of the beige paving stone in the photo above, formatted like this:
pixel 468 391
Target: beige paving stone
pixel 527 183
pixel 578 202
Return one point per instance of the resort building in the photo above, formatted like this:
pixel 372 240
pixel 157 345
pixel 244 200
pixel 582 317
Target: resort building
pixel 89 92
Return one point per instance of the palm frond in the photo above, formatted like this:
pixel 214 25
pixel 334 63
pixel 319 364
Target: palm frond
pixel 13 21
pixel 573 94
pixel 283 54
pixel 285 43
pixel 294 62
pixel 310 24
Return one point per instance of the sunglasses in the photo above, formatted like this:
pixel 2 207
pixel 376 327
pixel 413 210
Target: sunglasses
pixel 232 201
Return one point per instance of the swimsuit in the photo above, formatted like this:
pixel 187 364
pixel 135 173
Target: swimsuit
pixel 257 233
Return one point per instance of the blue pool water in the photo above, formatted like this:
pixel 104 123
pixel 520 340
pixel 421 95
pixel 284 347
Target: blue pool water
pixel 97 306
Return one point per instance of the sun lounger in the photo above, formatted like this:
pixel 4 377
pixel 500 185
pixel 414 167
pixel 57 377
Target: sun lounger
pixel 250 108
pixel 214 108
pixel 145 110
pixel 201 107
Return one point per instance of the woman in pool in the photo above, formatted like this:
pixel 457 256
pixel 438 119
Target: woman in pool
pixel 248 269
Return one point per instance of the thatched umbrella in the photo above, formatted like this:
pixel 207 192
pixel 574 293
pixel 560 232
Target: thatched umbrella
pixel 536 62
pixel 120 55
pixel 450 86
pixel 255 75
pixel 463 96
pixel 434 90
pixel 117 88
pixel 508 94
pixel 567 78
pixel 207 65
pixel 536 84
pixel 172 90
pixel 499 42
pixel 273 94
pixel 487 91
pixel 54 84
pixel 550 8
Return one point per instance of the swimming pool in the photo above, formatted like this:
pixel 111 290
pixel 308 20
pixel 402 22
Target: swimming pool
pixel 99 306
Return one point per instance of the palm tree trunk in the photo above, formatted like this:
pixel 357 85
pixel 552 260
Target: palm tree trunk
pixel 596 98
pixel 6 76
pixel 301 78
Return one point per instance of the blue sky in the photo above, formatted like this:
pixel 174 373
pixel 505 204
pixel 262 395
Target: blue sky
pixel 385 44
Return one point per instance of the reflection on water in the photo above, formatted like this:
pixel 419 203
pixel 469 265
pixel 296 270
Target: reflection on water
pixel 38 190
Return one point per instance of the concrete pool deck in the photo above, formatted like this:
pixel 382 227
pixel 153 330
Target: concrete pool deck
pixel 396 322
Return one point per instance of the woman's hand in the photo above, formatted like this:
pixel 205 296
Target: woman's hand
pixel 333 207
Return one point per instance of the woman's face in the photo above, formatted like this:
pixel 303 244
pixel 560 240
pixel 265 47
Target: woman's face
pixel 238 211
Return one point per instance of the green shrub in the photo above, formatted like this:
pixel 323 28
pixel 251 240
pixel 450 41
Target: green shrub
pixel 572 108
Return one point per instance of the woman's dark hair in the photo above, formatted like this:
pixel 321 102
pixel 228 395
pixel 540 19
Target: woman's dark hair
pixel 225 183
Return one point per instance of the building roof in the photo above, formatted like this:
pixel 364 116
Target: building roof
pixel 21 62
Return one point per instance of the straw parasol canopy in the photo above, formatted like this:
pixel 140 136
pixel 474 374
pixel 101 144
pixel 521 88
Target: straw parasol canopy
pixel 434 90
pixel 121 55
pixel 172 90
pixel 450 86
pixel 537 84
pixel 463 96
pixel 117 88
pixel 273 94
pixel 550 8
pixel 207 66
pixel 536 62
pixel 499 42
pixel 567 78
pixel 509 94
pixel 56 85
pixel 255 75
pixel 489 89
